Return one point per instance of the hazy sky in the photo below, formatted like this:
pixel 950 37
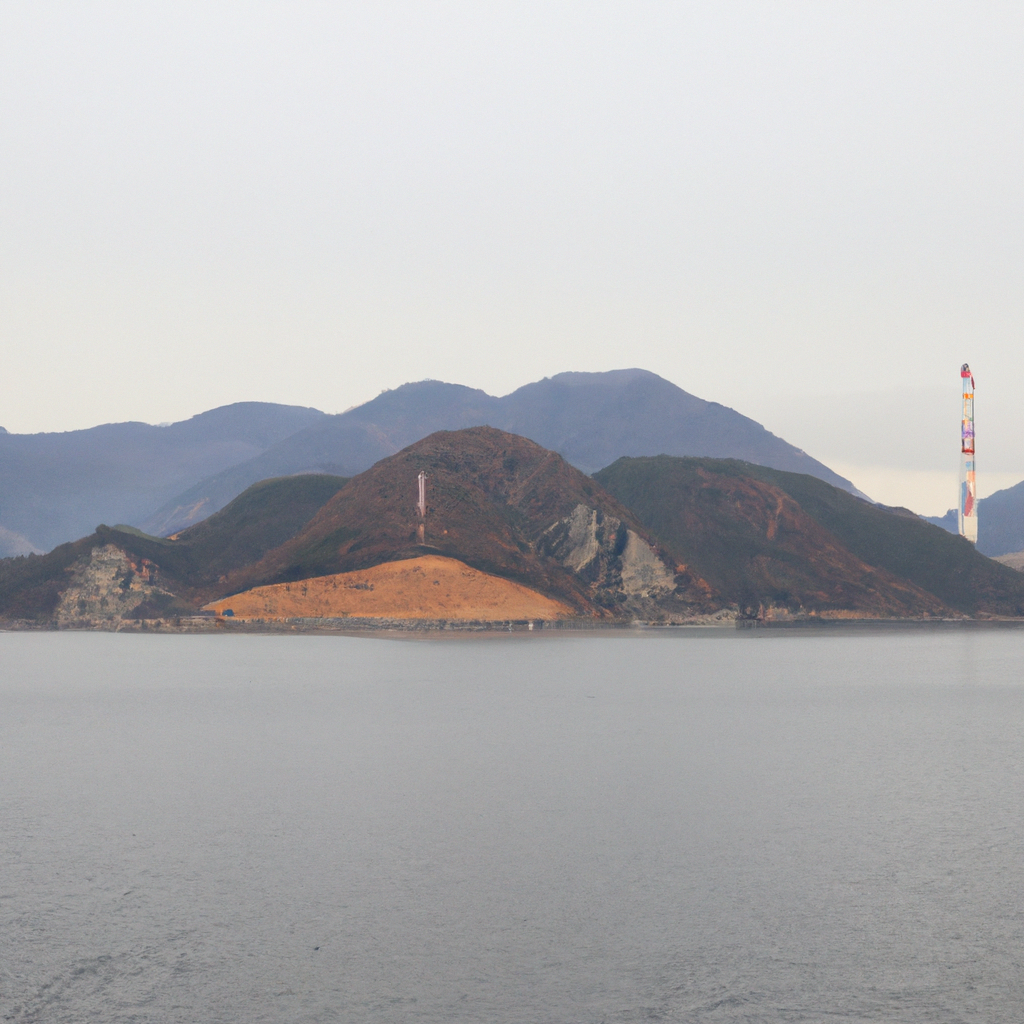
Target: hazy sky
pixel 811 212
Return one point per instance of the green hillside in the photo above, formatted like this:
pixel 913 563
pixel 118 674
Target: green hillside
pixel 682 501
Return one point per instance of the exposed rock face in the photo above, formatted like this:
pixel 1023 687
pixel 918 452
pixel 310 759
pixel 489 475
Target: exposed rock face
pixel 107 586
pixel 644 574
pixel 607 554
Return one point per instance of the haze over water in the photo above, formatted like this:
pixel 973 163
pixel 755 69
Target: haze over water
pixel 682 826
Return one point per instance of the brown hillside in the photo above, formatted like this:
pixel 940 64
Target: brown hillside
pixel 754 543
pixel 501 504
pixel 430 587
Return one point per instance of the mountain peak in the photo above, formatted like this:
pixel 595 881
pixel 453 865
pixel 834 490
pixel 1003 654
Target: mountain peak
pixel 501 504
pixel 579 378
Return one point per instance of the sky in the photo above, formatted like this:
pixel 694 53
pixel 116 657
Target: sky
pixel 810 212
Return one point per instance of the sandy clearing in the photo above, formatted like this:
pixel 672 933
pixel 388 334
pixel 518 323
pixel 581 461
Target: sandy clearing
pixel 430 587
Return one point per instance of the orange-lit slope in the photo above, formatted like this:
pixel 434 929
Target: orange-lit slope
pixel 430 587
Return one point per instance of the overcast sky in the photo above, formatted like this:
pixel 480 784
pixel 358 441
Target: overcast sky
pixel 811 212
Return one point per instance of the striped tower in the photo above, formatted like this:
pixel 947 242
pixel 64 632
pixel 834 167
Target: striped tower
pixel 968 504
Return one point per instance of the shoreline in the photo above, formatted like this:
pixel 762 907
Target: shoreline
pixel 426 628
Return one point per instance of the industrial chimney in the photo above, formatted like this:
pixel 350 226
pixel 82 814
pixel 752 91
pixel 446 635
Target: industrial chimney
pixel 968 503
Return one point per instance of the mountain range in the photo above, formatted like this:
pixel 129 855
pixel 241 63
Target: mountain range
pixel 57 487
pixel 512 530
pixel 588 418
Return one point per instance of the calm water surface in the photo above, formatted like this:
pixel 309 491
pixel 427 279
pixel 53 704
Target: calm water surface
pixel 753 827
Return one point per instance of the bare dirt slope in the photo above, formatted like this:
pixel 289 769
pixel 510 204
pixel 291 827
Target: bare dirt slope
pixel 429 587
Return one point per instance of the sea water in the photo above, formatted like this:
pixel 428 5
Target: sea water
pixel 686 826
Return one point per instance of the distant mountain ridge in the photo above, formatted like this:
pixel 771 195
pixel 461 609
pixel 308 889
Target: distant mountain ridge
pixel 162 479
pixel 1000 521
pixel 57 487
pixel 12 543
pixel 590 419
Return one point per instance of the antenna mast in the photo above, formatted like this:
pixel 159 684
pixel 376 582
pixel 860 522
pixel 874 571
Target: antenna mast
pixel 421 505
